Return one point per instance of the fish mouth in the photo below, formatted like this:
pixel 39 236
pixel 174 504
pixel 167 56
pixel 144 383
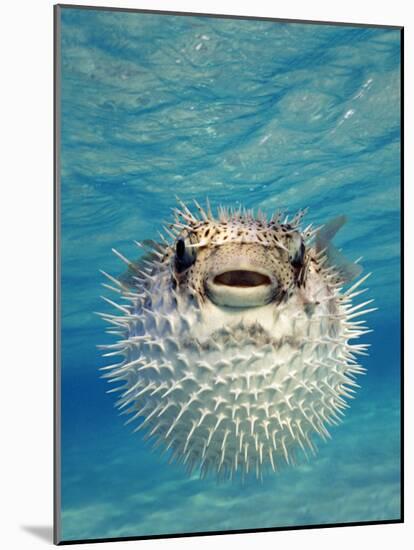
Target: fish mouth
pixel 240 287
pixel 241 278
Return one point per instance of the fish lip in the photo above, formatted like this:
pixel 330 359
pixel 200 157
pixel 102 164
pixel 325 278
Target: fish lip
pixel 242 278
pixel 231 286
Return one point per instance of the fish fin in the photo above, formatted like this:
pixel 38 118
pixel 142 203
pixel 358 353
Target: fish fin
pixel 328 232
pixel 128 277
pixel 346 269
pixel 151 244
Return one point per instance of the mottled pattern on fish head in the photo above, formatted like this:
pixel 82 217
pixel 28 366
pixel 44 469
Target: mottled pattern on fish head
pixel 238 260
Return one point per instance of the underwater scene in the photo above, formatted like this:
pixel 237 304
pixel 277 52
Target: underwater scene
pixel 259 120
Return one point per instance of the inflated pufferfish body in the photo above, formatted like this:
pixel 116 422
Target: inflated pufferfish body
pixel 235 340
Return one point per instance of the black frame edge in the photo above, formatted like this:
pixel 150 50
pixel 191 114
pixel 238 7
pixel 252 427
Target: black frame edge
pixel 56 281
pixel 402 265
pixel 226 16
pixel 233 532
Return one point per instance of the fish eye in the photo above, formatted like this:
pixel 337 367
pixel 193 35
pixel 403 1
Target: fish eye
pixel 297 260
pixel 296 248
pixel 184 256
pixel 180 248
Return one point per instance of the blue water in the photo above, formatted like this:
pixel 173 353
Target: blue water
pixel 280 116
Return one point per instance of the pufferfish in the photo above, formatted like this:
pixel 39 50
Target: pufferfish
pixel 235 339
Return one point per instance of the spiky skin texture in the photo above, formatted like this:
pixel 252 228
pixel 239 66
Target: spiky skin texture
pixel 229 389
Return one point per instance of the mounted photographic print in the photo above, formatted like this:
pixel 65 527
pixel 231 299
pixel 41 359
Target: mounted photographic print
pixel 228 274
